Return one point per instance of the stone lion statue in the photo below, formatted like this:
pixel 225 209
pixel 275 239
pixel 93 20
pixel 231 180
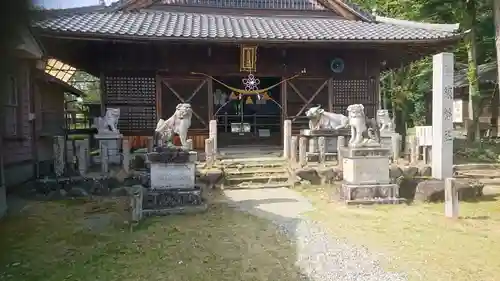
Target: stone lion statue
pixel 109 122
pixel 384 121
pixel 364 132
pixel 319 119
pixel 178 123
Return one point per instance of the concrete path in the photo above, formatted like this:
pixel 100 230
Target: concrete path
pixel 319 255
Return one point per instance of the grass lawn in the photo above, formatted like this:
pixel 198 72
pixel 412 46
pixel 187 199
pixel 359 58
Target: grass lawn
pixel 419 238
pixel 87 240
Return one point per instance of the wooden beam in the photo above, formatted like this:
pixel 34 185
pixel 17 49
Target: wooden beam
pixel 102 86
pixel 284 98
pixel 312 98
pixel 181 99
pixel 330 94
pixel 297 91
pixel 159 99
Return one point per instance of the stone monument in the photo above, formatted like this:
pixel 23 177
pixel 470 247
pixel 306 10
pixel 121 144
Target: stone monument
pixel 109 135
pixel 324 124
pixel 365 163
pixel 172 169
pixel 442 116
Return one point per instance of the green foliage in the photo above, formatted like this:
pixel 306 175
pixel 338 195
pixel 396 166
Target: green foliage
pixel 88 84
pixel 484 151
pixel 406 87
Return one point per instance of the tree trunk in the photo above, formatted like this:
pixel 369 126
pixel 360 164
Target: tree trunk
pixel 474 93
pixel 496 10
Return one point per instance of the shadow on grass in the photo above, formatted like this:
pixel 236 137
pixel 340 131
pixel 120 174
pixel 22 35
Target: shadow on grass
pixel 480 218
pixel 52 241
pixel 482 198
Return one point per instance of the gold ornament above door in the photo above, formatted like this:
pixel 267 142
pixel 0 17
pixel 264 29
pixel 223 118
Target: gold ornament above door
pixel 248 58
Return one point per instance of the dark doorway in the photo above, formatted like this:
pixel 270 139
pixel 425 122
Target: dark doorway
pixel 247 119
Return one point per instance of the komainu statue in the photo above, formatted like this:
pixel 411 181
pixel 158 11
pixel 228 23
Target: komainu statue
pixel 364 132
pixel 109 122
pixel 319 119
pixel 384 121
pixel 178 123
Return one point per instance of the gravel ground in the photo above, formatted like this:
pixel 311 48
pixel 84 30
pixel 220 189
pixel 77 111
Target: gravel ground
pixel 319 255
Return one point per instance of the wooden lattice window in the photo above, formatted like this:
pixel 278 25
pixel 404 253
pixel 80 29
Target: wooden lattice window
pixel 135 96
pixel 12 108
pixel 347 92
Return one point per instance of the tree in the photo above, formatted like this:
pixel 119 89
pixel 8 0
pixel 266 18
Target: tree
pixel 88 84
pixel 474 16
pixel 496 9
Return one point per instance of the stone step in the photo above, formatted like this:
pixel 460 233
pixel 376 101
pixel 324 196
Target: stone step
pixel 270 178
pixel 258 185
pixel 254 171
pixel 253 160
pixel 252 165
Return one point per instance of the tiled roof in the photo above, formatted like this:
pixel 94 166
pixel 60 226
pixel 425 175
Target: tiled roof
pixel 178 25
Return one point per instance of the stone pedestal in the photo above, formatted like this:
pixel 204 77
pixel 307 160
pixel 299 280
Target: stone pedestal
pixel 113 144
pixel 387 139
pixel 331 146
pixel 366 176
pixel 172 182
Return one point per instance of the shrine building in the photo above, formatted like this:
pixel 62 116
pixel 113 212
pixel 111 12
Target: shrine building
pixel 152 55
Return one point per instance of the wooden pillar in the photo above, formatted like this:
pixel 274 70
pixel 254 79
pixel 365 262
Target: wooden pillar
pixel 283 100
pixel 210 97
pixel 150 143
pixel 158 98
pixel 330 94
pixel 102 86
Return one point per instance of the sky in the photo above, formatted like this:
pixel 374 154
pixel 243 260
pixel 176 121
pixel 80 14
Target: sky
pixel 63 4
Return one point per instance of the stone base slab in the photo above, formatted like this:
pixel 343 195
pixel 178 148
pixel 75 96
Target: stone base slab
pixel 171 176
pixel 314 156
pixel 325 133
pixel 368 170
pixel 363 152
pixel 172 156
pixel 173 198
pixel 350 192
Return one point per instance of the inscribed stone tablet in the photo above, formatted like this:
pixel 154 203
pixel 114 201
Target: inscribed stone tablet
pixel 172 175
